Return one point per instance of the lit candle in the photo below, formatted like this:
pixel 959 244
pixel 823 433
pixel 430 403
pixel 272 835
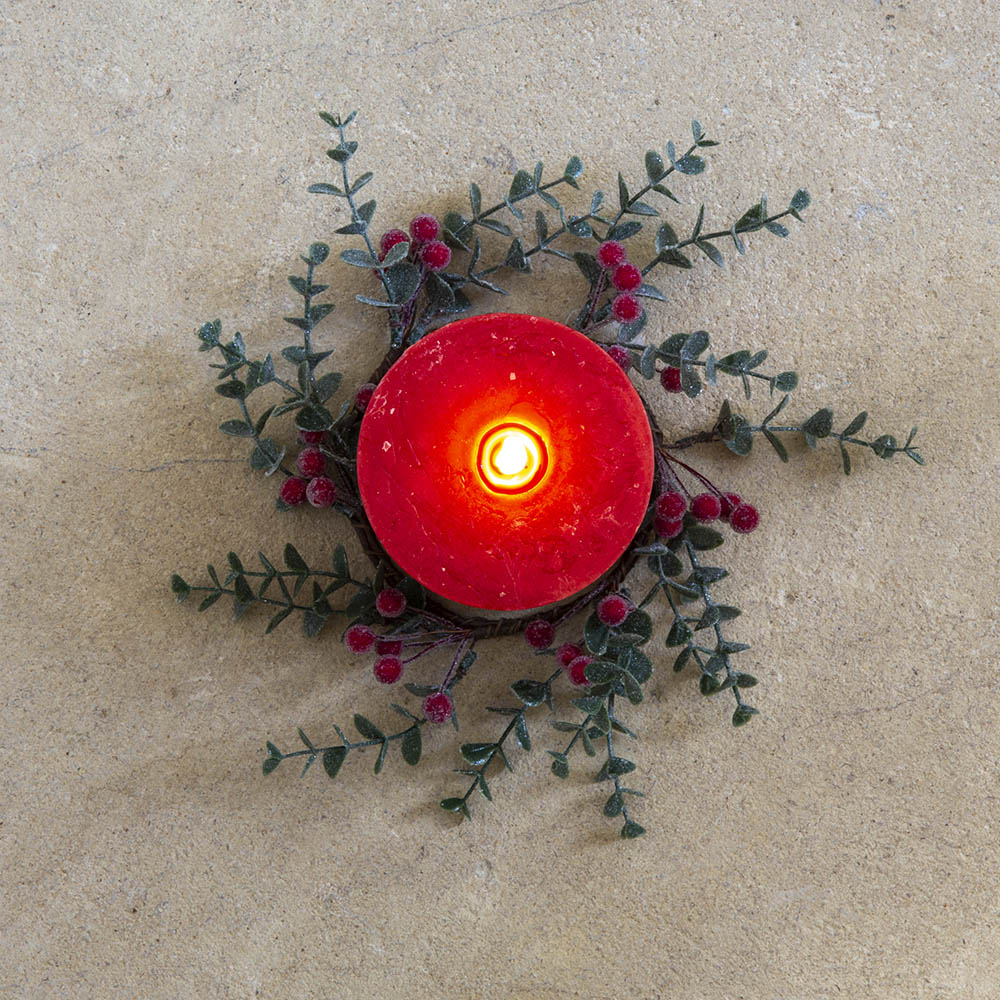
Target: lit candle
pixel 505 462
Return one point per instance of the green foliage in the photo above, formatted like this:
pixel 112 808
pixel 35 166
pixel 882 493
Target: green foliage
pixel 531 219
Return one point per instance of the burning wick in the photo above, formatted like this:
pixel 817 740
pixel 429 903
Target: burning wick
pixel 512 459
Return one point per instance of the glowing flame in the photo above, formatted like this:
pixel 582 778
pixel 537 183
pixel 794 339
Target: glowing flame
pixel 512 458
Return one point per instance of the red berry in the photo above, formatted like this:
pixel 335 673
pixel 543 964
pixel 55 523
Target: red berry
pixel 626 278
pixel 364 396
pixel 359 638
pixel 744 519
pixel 311 462
pixel 312 437
pixel 626 308
pixel 706 507
pixel 577 671
pixel 567 653
pixel 321 492
pixel 388 669
pixel 620 356
pixel 670 379
pixel 671 505
pixel 390 603
pixel 730 501
pixel 613 609
pixel 424 228
pixel 539 634
pixel 388 647
pixel 435 256
pixel 293 491
pixel 391 239
pixel 610 254
pixel 666 528
pixel 438 707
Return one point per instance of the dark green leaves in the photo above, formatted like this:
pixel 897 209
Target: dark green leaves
pixel 333 759
pixel 819 424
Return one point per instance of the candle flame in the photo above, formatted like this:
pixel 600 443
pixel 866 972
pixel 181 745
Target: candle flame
pixel 512 459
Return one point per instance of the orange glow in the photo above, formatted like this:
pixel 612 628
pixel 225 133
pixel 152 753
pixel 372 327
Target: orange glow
pixel 512 458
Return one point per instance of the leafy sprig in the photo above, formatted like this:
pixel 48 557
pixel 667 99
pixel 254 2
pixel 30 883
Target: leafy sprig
pixel 333 756
pixel 736 432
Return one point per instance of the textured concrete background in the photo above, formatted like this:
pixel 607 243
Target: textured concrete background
pixel 155 161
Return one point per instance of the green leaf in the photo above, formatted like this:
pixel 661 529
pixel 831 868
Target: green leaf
pixel 690 164
pixel 209 601
pixel 294 561
pixel 411 746
pixel 180 587
pixel 620 765
pixel 675 259
pixel 521 733
pixel 478 754
pixel 532 693
pixel 665 237
pixel 776 444
pixel 595 635
pixel 680 633
pixel 270 763
pixel 776 228
pixel 232 390
pixel 743 714
pixel 328 385
pixel 325 189
pixel 884 446
pixel 654 166
pixel 786 381
pixel 318 252
pixel 367 728
pixel 800 200
pixel 516 258
pixel 819 424
pixel 574 169
pixel 560 764
pixel 631 830
pixel 521 186
pixel 856 424
pixel 710 251
pixel 358 258
pixel 312 623
pixel 703 538
pixel 333 758
pixel 453 805
pixel 614 805
pixel 624 230
pixel 403 281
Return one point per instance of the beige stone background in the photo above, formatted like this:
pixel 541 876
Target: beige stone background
pixel 155 160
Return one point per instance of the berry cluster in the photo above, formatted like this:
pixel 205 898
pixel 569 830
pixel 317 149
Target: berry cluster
pixel 391 604
pixel 425 247
pixel 672 506
pixel 626 279
pixel 572 656
pixel 311 483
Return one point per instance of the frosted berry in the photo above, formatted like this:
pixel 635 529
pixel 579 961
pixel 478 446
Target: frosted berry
pixel 293 491
pixel 610 254
pixel 670 379
pixel 390 603
pixel 539 634
pixel 321 492
pixel 577 671
pixel 359 638
pixel 435 256
pixel 388 669
pixel 744 519
pixel 620 356
pixel 311 462
pixel 626 278
pixel 626 308
pixel 388 647
pixel 312 437
pixel 666 528
pixel 424 228
pixel 730 501
pixel 613 610
pixel 391 239
pixel 671 505
pixel 706 507
pixel 438 707
pixel 567 653
pixel 364 396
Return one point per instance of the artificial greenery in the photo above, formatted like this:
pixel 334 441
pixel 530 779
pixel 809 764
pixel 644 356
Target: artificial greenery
pixel 490 247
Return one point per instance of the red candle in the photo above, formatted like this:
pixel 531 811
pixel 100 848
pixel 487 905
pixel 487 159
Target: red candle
pixel 505 462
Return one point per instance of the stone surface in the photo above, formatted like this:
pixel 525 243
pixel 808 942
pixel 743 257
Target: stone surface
pixel 844 844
